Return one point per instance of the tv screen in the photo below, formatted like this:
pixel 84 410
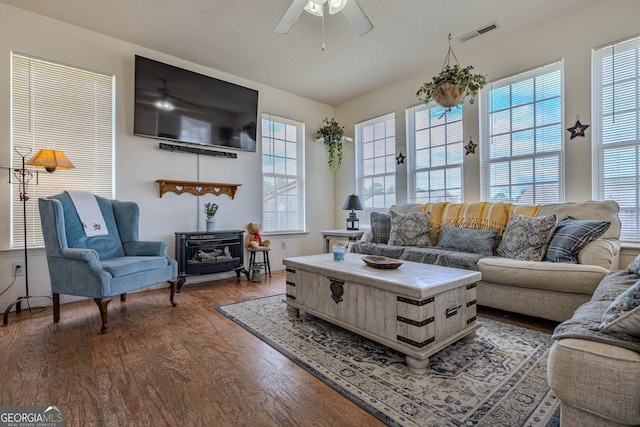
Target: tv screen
pixel 183 106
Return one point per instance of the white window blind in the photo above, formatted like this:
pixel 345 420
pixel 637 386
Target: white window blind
pixel 282 175
pixel 376 164
pixel 56 106
pixel 615 130
pixel 521 137
pixel 436 143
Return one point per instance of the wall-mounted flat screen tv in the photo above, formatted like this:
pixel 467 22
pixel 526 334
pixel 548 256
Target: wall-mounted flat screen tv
pixel 182 106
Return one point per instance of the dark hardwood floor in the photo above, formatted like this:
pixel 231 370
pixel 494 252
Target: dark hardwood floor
pixel 160 365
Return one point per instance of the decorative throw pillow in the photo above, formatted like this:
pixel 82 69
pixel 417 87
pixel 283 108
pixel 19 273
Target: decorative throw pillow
pixel 526 237
pixel 410 229
pixel 468 239
pixel 634 267
pixel 623 315
pixel 380 227
pixel 571 235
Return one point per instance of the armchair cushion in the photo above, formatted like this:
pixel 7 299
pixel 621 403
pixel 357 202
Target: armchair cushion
pixel 126 265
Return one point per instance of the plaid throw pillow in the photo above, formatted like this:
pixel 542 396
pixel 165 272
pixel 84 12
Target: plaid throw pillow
pixel 571 235
pixel 380 227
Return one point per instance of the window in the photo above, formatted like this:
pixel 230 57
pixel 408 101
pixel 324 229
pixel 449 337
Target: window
pixel 436 143
pixel 615 130
pixel 376 164
pixel 282 175
pixel 521 138
pixel 56 106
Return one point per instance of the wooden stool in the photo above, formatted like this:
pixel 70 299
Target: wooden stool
pixel 265 258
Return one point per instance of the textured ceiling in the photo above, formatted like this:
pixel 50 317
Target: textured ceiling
pixel 237 37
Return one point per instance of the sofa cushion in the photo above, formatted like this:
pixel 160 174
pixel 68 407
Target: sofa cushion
pixel 380 227
pixel 410 229
pixel 443 257
pixel 623 315
pixel 571 235
pixel 526 238
pixel 468 240
pixel 575 278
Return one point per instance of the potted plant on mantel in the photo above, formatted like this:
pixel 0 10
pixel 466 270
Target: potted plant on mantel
pixel 332 135
pixel 452 84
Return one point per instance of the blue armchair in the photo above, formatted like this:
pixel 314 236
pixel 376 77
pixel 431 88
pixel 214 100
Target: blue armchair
pixel 101 267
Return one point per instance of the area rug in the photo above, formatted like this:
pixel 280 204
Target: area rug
pixel 499 379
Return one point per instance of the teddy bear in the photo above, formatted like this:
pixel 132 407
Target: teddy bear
pixel 253 239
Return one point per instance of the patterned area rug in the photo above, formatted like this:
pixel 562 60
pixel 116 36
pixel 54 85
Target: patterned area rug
pixel 499 379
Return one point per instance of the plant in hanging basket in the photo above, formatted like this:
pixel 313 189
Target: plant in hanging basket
pixel 332 135
pixel 451 86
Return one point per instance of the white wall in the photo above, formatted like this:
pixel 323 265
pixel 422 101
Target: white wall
pixel 570 37
pixel 139 162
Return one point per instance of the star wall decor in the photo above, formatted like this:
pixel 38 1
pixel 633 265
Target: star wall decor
pixel 400 159
pixel 578 129
pixel 470 148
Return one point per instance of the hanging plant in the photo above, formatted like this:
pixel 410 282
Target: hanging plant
pixel 452 84
pixel 332 135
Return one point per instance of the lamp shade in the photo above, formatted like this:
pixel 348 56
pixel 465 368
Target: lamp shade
pixel 50 160
pixel 352 203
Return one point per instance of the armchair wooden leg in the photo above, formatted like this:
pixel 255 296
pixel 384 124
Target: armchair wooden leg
pixel 102 306
pixel 123 297
pixel 174 288
pixel 56 308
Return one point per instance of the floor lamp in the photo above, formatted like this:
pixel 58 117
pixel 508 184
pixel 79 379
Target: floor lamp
pixel 50 160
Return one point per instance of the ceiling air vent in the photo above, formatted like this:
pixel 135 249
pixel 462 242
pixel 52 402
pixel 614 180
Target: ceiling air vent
pixel 475 33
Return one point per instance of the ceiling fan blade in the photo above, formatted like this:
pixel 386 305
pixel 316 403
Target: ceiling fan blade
pixel 356 18
pixel 290 16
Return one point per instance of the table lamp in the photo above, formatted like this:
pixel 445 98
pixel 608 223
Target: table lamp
pixel 352 203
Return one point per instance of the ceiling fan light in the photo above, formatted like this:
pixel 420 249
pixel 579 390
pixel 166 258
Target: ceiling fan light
pixel 164 104
pixel 318 2
pixel 336 6
pixel 314 8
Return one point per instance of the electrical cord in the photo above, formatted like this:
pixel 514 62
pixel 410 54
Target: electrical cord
pixel 26 299
pixel 10 284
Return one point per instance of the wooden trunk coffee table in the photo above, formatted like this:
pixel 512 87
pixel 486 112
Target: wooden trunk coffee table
pixel 417 309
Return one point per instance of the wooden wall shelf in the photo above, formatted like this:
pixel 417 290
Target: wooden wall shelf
pixel 197 188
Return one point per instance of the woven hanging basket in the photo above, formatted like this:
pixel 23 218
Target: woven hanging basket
pixel 448 94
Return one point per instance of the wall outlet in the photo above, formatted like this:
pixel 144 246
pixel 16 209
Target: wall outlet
pixel 283 245
pixel 17 269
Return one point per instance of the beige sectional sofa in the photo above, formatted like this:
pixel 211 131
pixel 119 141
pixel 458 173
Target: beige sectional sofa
pixel 550 290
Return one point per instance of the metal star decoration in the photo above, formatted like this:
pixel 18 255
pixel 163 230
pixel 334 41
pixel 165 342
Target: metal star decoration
pixel 470 148
pixel 400 159
pixel 578 129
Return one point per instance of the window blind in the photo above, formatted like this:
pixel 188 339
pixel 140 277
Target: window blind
pixel 522 137
pixel 376 164
pixel 615 134
pixel 283 196
pixel 56 106
pixel 436 141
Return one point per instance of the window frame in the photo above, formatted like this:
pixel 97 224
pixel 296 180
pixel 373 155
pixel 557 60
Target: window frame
pixel 434 110
pixel 388 120
pixel 299 177
pixel 610 137
pixel 83 110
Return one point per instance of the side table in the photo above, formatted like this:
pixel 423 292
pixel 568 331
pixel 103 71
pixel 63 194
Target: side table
pixel 349 235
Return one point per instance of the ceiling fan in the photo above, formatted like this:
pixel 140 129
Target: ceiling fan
pixel 349 8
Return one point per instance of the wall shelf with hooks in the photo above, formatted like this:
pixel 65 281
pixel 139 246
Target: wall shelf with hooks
pixel 197 188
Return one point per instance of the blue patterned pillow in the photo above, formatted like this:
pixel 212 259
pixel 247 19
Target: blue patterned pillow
pixel 623 315
pixel 380 227
pixel 468 239
pixel 634 267
pixel 526 238
pixel 410 229
pixel 571 235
